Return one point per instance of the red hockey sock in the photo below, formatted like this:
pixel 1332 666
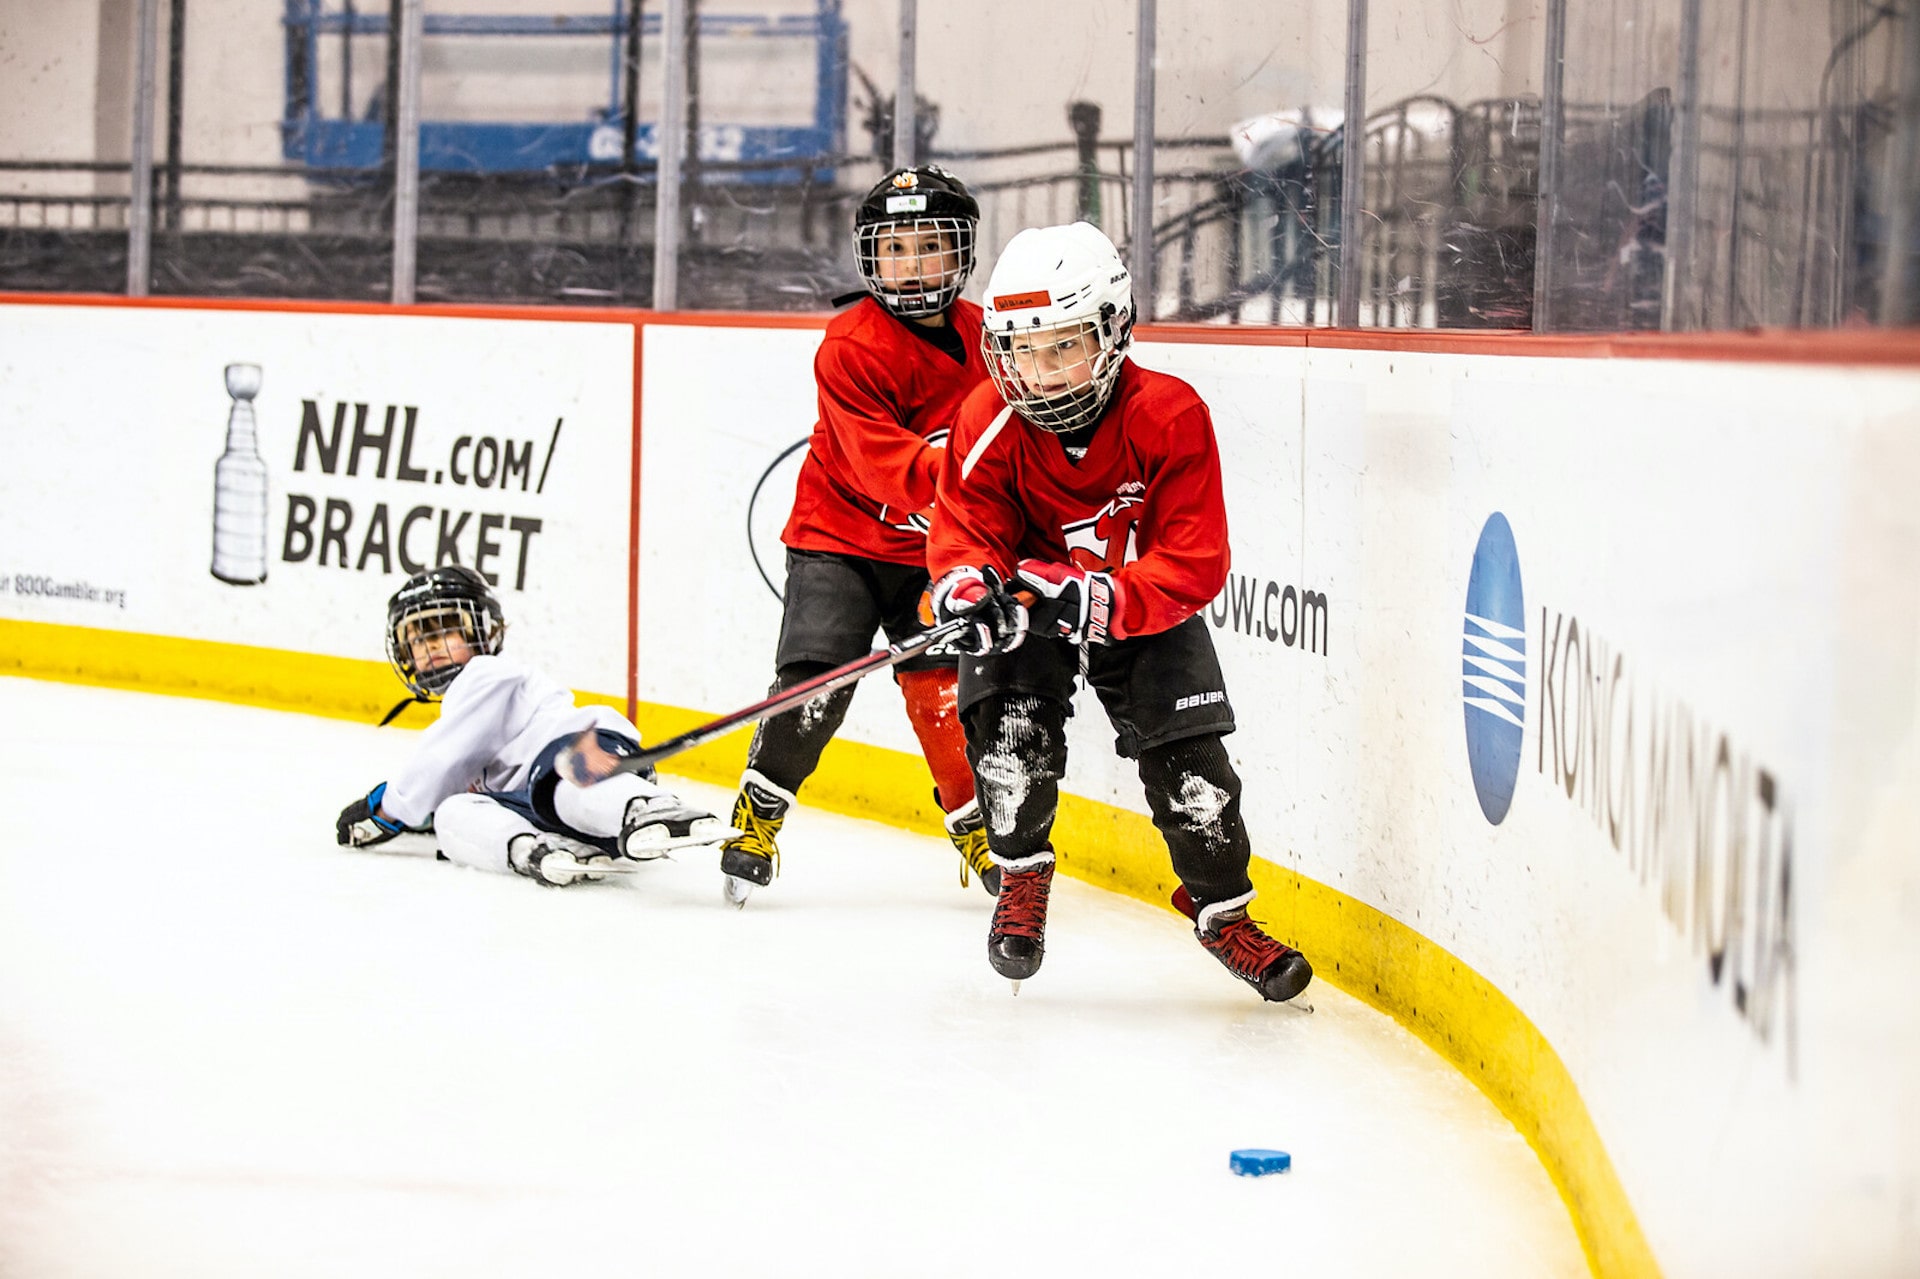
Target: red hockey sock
pixel 932 709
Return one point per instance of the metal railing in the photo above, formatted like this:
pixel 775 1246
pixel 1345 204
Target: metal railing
pixel 1447 223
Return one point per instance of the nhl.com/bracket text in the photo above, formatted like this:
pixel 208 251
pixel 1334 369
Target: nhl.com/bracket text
pixel 38 586
pixel 334 531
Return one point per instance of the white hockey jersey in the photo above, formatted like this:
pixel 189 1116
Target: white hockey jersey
pixel 496 718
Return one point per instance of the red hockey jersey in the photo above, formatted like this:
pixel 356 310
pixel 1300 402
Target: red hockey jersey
pixel 887 402
pixel 1144 504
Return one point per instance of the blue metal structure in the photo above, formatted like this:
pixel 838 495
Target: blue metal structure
pixel 503 147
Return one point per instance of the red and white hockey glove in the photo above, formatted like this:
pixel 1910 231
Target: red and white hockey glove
pixel 998 620
pixel 1070 603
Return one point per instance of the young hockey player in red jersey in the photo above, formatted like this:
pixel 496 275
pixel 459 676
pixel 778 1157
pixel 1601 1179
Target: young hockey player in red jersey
pixel 891 372
pixel 483 779
pixel 1092 487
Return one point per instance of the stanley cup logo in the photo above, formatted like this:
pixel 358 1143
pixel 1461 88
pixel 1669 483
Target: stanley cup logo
pixel 240 489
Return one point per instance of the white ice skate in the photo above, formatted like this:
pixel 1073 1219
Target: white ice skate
pixel 556 861
pixel 655 827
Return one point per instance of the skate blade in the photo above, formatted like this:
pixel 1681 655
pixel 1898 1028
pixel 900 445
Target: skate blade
pixel 736 891
pixel 598 869
pixel 560 864
pixel 653 849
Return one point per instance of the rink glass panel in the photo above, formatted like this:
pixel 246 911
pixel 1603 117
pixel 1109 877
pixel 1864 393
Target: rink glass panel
pixel 1001 86
pixel 1742 185
pixel 1248 112
pixel 544 185
pixel 251 199
pixel 64 144
pixel 1249 231
pixel 1718 163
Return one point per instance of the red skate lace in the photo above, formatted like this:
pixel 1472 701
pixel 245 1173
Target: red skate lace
pixel 1242 947
pixel 1022 908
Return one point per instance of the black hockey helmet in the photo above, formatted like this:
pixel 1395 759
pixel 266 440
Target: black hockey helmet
pixel 431 606
pixel 911 202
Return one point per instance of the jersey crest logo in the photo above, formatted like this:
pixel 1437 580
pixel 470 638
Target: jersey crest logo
pixel 905 521
pixel 1109 539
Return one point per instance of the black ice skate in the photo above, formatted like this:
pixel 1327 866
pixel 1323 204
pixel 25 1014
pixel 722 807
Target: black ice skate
pixel 1017 938
pixel 1278 972
pixel 749 858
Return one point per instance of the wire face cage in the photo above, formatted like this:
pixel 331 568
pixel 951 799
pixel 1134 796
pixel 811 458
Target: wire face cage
pixel 915 267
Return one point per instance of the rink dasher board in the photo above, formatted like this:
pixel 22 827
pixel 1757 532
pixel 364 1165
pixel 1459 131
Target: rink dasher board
pixel 1728 541
pixel 390 442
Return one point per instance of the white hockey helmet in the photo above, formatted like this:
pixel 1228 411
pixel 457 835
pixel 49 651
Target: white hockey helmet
pixel 1058 321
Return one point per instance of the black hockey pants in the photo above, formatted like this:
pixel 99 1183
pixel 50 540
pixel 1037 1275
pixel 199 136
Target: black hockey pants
pixel 1017 744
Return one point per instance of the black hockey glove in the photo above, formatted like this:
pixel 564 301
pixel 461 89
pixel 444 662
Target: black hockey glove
pixel 998 620
pixel 1070 603
pixel 360 824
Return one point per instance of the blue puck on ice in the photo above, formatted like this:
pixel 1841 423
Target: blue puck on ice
pixel 1258 1163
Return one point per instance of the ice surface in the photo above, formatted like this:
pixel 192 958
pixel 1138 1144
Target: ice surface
pixel 229 1048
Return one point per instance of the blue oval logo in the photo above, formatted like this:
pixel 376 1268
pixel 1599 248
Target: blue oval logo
pixel 1493 668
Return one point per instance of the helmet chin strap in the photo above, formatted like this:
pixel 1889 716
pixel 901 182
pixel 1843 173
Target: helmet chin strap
pixel 399 706
pixel 417 680
pixel 917 304
pixel 1071 404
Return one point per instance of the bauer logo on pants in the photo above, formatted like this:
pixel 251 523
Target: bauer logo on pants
pixel 1493 667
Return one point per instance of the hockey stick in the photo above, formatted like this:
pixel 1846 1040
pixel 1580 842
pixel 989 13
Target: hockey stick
pixel 584 762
